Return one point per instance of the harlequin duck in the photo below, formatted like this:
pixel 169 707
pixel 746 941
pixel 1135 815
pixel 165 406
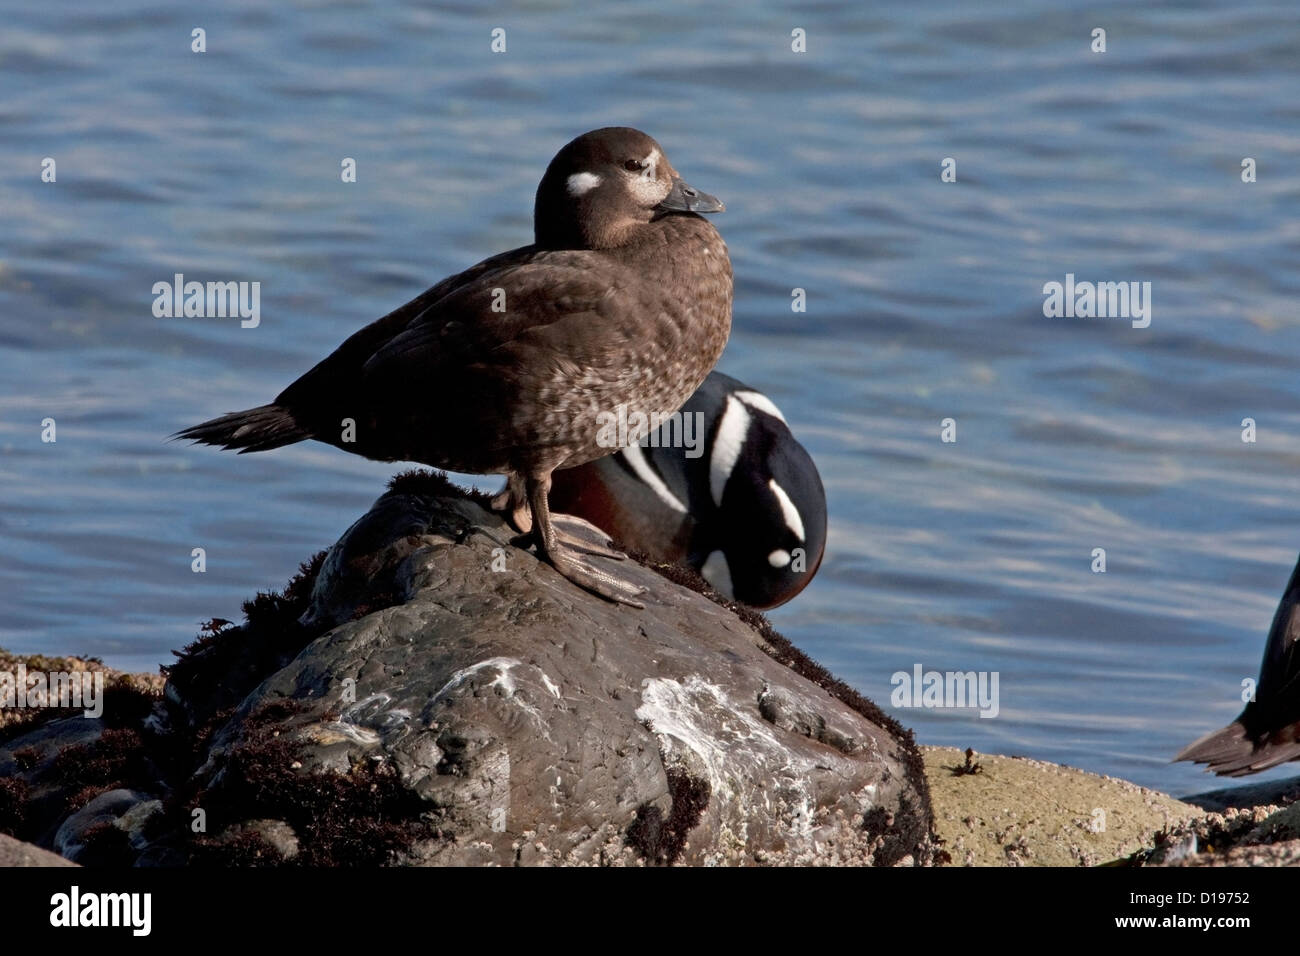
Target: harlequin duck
pixel 746 508
pixel 622 300
pixel 1267 732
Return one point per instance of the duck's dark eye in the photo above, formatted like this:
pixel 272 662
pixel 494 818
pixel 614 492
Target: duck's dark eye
pixel 634 165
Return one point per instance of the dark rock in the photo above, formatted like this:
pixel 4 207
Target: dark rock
pixel 42 765
pixel 267 841
pixel 35 751
pixel 537 722
pixel 107 828
pixel 428 694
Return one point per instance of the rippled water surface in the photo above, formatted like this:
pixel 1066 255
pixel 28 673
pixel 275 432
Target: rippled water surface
pixel 924 303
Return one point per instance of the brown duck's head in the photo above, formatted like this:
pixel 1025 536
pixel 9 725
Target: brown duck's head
pixel 604 185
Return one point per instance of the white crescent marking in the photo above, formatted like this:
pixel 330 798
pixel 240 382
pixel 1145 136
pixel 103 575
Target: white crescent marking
pixel 761 402
pixel 726 447
pixel 635 457
pixel 791 514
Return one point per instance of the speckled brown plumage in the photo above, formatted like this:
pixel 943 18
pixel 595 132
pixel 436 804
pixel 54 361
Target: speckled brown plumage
pixel 624 299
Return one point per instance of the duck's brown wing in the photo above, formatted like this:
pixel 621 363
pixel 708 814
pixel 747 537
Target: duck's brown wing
pixel 512 364
pixel 344 364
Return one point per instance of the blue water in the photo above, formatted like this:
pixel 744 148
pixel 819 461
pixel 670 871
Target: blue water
pixel 924 303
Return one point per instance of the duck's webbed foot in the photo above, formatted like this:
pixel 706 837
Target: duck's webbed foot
pixel 563 552
pixel 575 534
pixel 591 578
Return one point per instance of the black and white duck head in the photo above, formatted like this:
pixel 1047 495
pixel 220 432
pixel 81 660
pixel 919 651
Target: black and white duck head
pixel 746 507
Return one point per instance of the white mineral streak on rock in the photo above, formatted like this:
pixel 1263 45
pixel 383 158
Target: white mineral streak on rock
pixel 689 715
pixel 373 711
pixel 505 681
pixel 358 735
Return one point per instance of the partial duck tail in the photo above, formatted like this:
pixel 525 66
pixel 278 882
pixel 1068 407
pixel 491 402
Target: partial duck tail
pixel 1234 752
pixel 254 429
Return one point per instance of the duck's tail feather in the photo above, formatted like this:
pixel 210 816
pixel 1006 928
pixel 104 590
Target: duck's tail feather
pixel 1230 751
pixel 254 429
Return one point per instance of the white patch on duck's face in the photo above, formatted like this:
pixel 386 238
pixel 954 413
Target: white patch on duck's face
pixel 645 185
pixel 727 443
pixel 793 521
pixel 580 183
pixel 779 558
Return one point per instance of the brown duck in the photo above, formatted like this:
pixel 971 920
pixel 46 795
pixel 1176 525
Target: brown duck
pixel 623 299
